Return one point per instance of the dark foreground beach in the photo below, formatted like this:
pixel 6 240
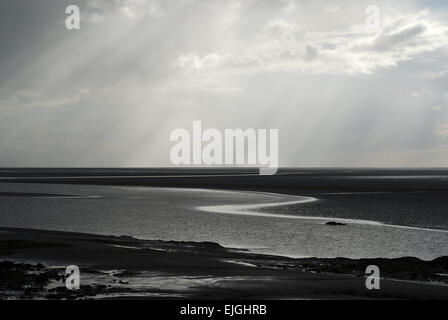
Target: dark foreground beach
pixel 33 266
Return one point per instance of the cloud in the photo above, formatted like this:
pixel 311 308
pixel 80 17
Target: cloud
pixel 392 38
pixel 25 99
pixel 99 10
pixel 282 45
pixel 311 53
pixel 194 61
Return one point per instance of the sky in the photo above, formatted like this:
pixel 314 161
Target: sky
pixel 342 91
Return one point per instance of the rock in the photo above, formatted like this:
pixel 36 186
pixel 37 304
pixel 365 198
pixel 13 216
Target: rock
pixel 334 223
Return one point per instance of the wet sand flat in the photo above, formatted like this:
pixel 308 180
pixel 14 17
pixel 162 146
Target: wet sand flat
pixel 119 267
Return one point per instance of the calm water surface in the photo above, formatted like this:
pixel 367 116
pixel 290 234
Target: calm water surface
pixel 262 222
